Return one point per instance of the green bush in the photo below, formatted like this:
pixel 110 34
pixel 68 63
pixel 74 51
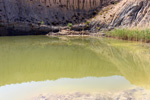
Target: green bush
pixel 69 25
pixel 42 22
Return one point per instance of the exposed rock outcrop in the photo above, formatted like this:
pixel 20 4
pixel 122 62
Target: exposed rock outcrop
pixel 23 17
pixel 127 13
pixel 49 11
pixel 14 14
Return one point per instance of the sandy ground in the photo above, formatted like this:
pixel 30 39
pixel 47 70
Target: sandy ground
pixel 132 94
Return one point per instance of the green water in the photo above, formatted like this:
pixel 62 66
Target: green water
pixel 52 64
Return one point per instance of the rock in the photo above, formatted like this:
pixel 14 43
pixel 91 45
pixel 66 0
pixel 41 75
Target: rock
pixel 41 17
pixel 45 12
pixel 126 13
pixel 13 29
pixel 68 33
pixel 79 27
pixel 3 31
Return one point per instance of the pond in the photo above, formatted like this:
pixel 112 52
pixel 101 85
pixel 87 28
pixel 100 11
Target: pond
pixel 73 68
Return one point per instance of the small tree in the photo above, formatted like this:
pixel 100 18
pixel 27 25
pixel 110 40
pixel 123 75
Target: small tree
pixel 98 28
pixel 42 22
pixel 87 24
pixel 69 25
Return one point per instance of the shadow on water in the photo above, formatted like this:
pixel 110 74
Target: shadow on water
pixel 39 58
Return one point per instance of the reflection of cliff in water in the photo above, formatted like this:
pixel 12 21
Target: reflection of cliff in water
pixel 38 59
pixel 27 59
pixel 130 59
pixel 49 11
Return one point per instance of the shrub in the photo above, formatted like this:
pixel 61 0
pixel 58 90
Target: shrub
pixel 42 22
pixel 69 25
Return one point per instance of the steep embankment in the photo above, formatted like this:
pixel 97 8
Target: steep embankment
pixel 20 17
pixel 126 13
pixel 23 17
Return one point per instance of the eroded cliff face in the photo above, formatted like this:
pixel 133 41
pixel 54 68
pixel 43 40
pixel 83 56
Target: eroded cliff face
pixel 24 16
pixel 133 13
pixel 127 13
pixel 51 12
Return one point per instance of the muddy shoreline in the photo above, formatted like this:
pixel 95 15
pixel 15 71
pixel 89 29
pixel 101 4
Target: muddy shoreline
pixel 74 33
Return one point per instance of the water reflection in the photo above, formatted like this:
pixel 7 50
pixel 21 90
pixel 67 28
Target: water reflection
pixel 105 62
pixel 26 91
